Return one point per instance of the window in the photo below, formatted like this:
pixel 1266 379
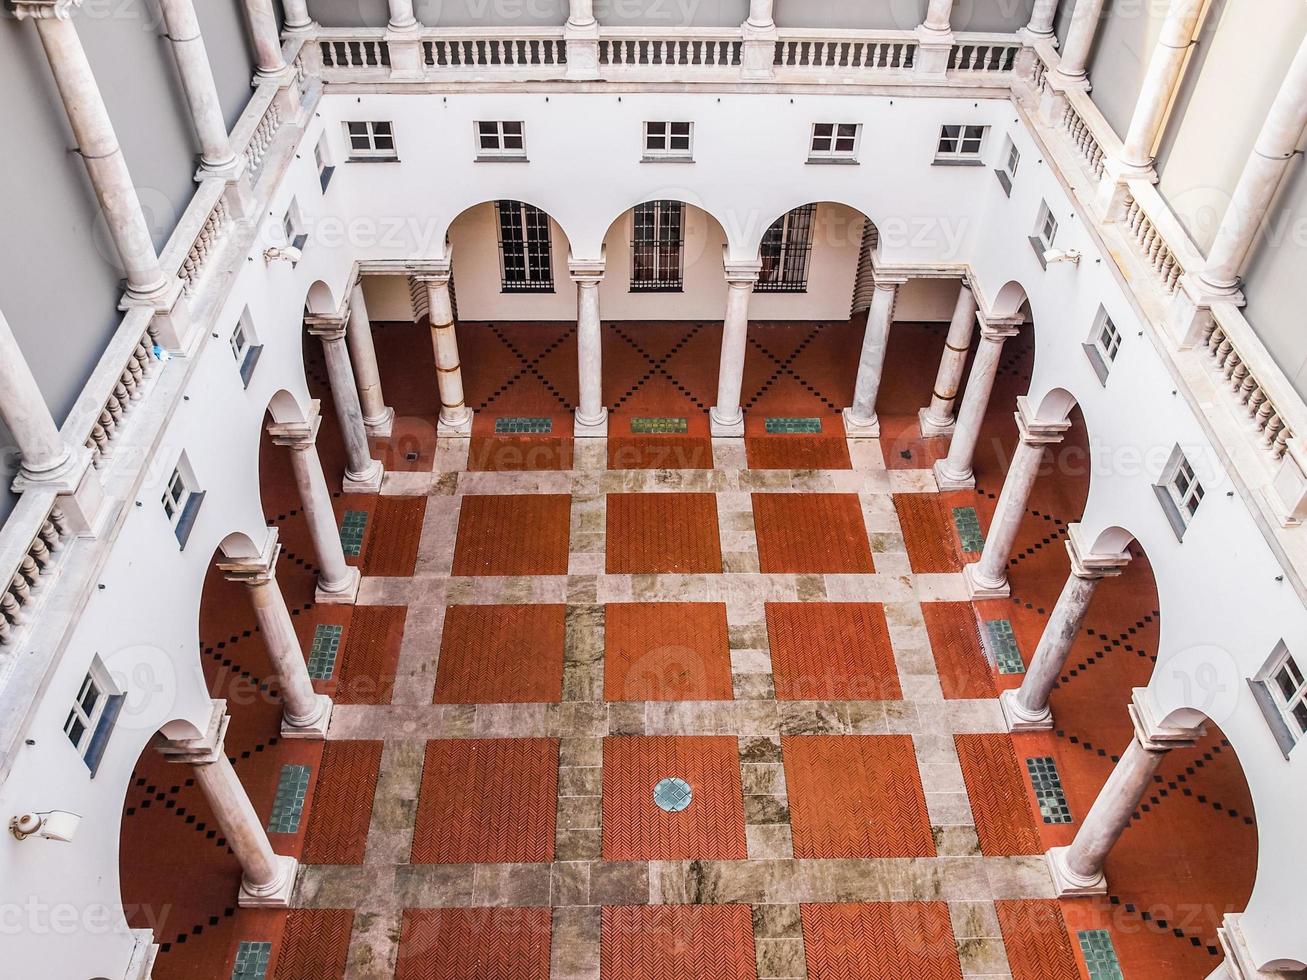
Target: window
pixel 1045 231
pixel 181 500
pixel 322 158
pixel 1179 492
pixel 1281 692
pixel 786 248
pixel 525 249
pixel 292 226
pixel 834 141
pixel 1104 343
pixel 244 347
pixel 657 247
pixel 960 144
pixel 1007 173
pixel 371 140
pixel 93 714
pixel 501 141
pixel 668 140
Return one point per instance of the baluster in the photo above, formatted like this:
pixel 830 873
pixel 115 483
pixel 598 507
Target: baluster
pixel 11 607
pixel 50 536
pixel 30 572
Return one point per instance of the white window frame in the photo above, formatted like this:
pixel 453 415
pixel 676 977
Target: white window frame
pixel 833 142
pixel 1180 492
pixel 667 132
pixel 1046 226
pixel 1104 344
pixel 244 344
pixel 1007 173
pixel 91 738
pixel 325 161
pixel 181 499
pixel 1286 668
pixel 370 139
pixel 967 143
pixel 499 131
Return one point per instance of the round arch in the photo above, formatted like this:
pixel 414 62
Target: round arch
pixel 320 300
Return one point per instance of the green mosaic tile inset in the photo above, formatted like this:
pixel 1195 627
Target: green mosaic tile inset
pixel 252 961
pixel 1003 644
pixel 517 425
pixel 352 526
pixel 793 426
pixel 288 804
pixel 659 426
pixel 967 521
pixel 322 655
pixel 1100 955
pixel 1044 777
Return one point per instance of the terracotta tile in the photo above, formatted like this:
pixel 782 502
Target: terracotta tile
pixel 954 632
pixel 649 942
pixel 502 534
pixel 811 532
pixel 996 787
pixel 666 651
pixel 663 533
pixel 880 939
pixel 928 533
pixel 341 807
pixel 501 654
pixel 831 651
pixel 474 944
pixel 314 945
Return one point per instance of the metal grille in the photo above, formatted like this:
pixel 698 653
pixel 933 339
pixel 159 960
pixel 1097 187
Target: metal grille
pixel 658 247
pixel 786 248
pixel 525 250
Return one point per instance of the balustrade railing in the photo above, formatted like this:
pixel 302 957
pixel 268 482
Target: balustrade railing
pixel 354 52
pixel 262 138
pixel 33 565
pixel 1084 140
pixel 484 50
pixel 1152 244
pixel 127 391
pixel 216 225
pixel 808 49
pixel 984 53
pixel 620 48
pixel 1258 389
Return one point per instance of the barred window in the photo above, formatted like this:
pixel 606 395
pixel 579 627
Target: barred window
pixel 658 247
pixel 525 248
pixel 786 249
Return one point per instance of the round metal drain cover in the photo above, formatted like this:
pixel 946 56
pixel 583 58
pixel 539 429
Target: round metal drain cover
pixel 673 795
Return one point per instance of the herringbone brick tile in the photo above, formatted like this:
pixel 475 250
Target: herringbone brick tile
pixel 314 945
pixel 663 533
pixel 396 530
pixel 997 790
pixel 954 632
pixel 474 944
pixel 366 673
pixel 513 534
pixel 798 452
pixel 501 654
pixel 831 651
pixel 1038 944
pixel 899 940
pixel 811 533
pixel 927 533
pixel 342 803
pixel 674 942
pixel 666 651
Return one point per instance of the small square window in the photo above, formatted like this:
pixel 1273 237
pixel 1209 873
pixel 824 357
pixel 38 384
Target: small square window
pixel 322 159
pixel 834 141
pixel 668 141
pixel 1046 227
pixel 1180 492
pixel 244 346
pixel 371 140
pixel 93 714
pixel 1281 692
pixel 960 144
pixel 1007 173
pixel 498 140
pixel 1104 344
pixel 181 500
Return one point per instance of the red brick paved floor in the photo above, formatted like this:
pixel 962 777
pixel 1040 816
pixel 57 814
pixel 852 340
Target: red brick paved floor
pixel 365 671
pixel 1179 866
pixel 501 655
pixel 504 534
pixel 954 632
pixel 842 787
pixel 474 944
pixel 837 651
pixel 636 829
pixel 338 823
pixel 928 533
pixel 881 939
pixel 996 787
pixel 315 945
pixel 663 533
pixel 653 942
pixel 811 532
pixel 666 651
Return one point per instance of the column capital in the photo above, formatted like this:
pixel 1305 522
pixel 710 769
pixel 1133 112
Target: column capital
pixel 887 281
pixel 1087 565
pixel 45 9
pixel 741 273
pixel 1032 431
pixel 1152 733
pixel 300 436
pixel 998 328
pixel 257 569
pixel 587 272
pixel 328 326
pixel 438 272
pixel 207 748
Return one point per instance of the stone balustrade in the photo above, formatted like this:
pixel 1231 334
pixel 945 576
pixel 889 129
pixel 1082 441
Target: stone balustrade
pixel 32 551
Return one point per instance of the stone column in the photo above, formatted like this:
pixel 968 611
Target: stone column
pixel 727 417
pixel 580 13
pixel 401 15
pixel 378 417
pixel 338 581
pixel 1260 179
pixel 296 19
pixel 581 34
pixel 935 40
pixel 97 143
pixel 262 20
pixel 267 878
pixel 591 413
pixel 1077 869
pixel 362 472
pixel 1026 708
pixel 216 153
pixel 938 418
pixel 1159 83
pixel 1042 18
pixel 860 420
pixel 939 16
pixel 987 578
pixel 25 414
pixel 455 416
pixel 1074 65
pixel 954 472
pixel 759 32
pixel 305 713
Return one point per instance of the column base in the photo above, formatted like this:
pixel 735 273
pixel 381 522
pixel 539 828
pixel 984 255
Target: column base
pixel 369 481
pixel 276 894
pixel 945 480
pixel 383 425
pixel 1018 719
pixel 345 595
pixel 141 965
pixel 456 426
pixel 933 427
pixel 81 494
pixel 314 728
pixel 1068 884
pixel 172 323
pixel 725 427
pixel 978 588
pixel 584 427
pixel 857 428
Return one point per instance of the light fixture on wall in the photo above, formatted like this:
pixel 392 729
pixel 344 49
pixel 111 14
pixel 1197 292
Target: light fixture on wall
pixel 52 824
pixel 288 252
pixel 1071 255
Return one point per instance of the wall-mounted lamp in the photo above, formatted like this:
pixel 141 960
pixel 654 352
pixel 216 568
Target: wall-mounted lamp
pixel 52 825
pixel 288 252
pixel 1058 255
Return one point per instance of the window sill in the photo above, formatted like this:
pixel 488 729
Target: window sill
pixel 832 162
pixel 186 523
pixel 1004 181
pixel 529 290
pixel 324 178
pixel 1173 515
pixel 957 162
pixel 785 288
pixel 495 159
pixel 658 159
pixel 248 364
pixel 1274 720
pixel 1039 249
pixel 657 289
pixel 373 160
pixel 1097 362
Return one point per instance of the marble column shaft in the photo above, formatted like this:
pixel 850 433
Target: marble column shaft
pixel 1160 81
pixel 953 361
pixel 1080 38
pixel 25 413
pixel 363 358
pixel 201 90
